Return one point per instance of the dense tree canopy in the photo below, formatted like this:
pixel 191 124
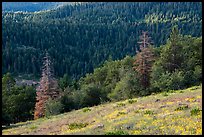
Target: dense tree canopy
pixel 17 101
pixel 81 37
pixel 179 64
pixel 114 80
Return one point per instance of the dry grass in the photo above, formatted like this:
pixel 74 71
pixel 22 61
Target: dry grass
pixel 151 115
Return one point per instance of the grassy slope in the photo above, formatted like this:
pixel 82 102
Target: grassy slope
pixel 161 117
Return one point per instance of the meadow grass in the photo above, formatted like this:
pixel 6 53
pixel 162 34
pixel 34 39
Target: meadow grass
pixel 179 113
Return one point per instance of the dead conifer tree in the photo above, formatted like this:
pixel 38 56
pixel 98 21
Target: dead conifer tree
pixel 48 88
pixel 144 59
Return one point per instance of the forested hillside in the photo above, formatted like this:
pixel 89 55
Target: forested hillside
pixel 177 65
pixel 81 37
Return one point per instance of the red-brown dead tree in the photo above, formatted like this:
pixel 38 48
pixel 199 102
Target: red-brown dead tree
pixel 48 88
pixel 144 59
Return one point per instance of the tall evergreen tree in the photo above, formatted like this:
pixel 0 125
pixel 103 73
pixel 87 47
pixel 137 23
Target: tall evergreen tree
pixel 172 56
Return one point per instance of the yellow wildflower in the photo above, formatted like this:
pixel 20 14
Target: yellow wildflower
pixel 136 132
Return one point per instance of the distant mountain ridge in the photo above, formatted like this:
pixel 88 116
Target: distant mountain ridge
pixel 31 6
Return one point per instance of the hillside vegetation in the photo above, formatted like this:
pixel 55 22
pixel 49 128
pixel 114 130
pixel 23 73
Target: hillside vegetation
pixel 177 65
pixel 175 112
pixel 81 37
pixel 94 54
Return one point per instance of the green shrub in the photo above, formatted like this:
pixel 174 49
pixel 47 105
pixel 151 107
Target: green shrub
pixel 118 132
pixel 132 101
pixel 67 100
pixel 90 96
pixel 64 82
pixel 180 91
pixel 165 94
pixel 149 112
pixel 166 80
pixel 195 111
pixel 128 86
pixel 194 88
pixel 120 104
pixel 197 74
pixel 86 109
pixel 121 113
pixel 77 125
pixel 183 107
pixel 53 107
pixel 171 91
pixel 137 111
pixel 33 127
